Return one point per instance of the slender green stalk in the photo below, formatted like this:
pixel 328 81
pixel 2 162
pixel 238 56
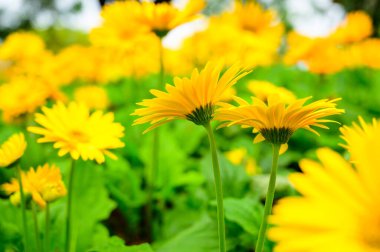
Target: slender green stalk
pixel 23 210
pixel 47 227
pixel 269 199
pixel 36 229
pixel 69 203
pixel 218 189
pixel 151 176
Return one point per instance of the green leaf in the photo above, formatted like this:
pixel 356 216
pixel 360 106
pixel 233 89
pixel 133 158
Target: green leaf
pixel 245 212
pixel 201 237
pixel 91 205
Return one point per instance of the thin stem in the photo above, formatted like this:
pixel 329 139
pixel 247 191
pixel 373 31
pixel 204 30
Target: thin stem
pixel 218 189
pixel 69 203
pixel 36 229
pixel 162 67
pixel 151 176
pixel 269 199
pixel 23 209
pixel 47 227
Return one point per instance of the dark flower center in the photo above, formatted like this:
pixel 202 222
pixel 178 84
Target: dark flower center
pixel 201 115
pixel 277 135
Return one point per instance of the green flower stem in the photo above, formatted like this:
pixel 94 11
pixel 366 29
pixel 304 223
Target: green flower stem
pixel 69 203
pixel 269 199
pixel 47 227
pixel 151 176
pixel 218 189
pixel 23 210
pixel 36 229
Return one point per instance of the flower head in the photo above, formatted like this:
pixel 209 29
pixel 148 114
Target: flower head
pixel 276 121
pixel 14 47
pixel 191 98
pixel 126 21
pixel 338 209
pixel 163 17
pixel 93 96
pixel 356 27
pixel 12 149
pixel 74 130
pixel 43 184
pixel 23 95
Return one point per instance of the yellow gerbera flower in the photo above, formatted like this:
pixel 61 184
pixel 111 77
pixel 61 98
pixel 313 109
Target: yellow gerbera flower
pixel 163 17
pixel 17 99
pixel 356 27
pixel 125 21
pixel 92 96
pixel 14 47
pixel 264 89
pixel 74 130
pixel 191 98
pixel 12 149
pixel 43 184
pixel 276 121
pixel 338 209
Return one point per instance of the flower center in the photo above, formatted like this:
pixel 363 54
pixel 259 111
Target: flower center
pixel 79 136
pixel 371 232
pixel 277 135
pixel 201 115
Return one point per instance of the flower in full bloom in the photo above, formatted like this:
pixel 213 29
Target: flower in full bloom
pixel 339 205
pixel 252 41
pixel 343 48
pixel 93 97
pixel 12 149
pixel 43 184
pixel 355 27
pixel 15 49
pixel 74 130
pixel 276 121
pixel 193 98
pixel 123 22
pixel 22 95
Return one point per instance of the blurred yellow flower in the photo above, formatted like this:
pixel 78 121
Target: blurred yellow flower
pixel 12 149
pixel 193 98
pixel 15 48
pixel 338 209
pixel 93 97
pixel 239 156
pixel 123 22
pixel 320 55
pixel 43 184
pixel 22 95
pixel 263 89
pixel 276 121
pixel 236 156
pixel 163 17
pixel 119 27
pixel 74 130
pixel 343 48
pixel 252 41
pixel 356 27
pixel 369 53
